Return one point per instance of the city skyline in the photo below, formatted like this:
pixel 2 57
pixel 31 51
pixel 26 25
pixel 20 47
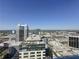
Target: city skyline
pixel 43 14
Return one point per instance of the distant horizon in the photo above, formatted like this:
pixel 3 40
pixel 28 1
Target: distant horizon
pixel 46 29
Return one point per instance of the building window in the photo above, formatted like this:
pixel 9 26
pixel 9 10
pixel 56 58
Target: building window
pixel 38 52
pixel 19 56
pixel 25 56
pixel 19 53
pixel 38 55
pixel 38 58
pixel 43 51
pixel 32 56
pixel 25 53
pixel 32 53
pixel 43 54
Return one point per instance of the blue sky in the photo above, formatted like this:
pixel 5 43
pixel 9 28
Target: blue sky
pixel 44 14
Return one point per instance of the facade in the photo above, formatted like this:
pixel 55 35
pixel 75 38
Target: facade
pixel 32 51
pixel 32 54
pixel 74 41
pixel 27 34
pixel 21 32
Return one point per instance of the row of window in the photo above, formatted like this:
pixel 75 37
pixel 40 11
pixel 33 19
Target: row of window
pixel 74 42
pixel 31 53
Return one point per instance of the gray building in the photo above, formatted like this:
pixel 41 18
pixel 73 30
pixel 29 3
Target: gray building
pixel 21 32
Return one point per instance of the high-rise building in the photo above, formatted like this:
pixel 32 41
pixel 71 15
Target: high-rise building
pixel 27 34
pixel 21 32
pixel 74 41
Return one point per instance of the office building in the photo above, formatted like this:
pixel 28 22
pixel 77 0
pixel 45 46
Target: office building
pixel 32 51
pixel 74 41
pixel 33 48
pixel 22 32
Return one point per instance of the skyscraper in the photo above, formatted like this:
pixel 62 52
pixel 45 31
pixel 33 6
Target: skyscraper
pixel 21 32
pixel 27 32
